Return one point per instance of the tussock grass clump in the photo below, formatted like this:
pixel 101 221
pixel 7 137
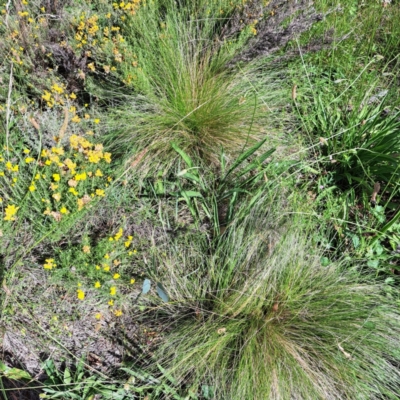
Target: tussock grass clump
pixel 184 91
pixel 276 324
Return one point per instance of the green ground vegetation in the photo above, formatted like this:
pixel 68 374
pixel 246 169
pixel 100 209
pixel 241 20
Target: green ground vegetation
pixel 199 199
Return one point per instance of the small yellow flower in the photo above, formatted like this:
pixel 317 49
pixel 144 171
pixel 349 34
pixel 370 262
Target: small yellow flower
pixel 49 264
pixel 118 235
pixel 29 160
pixel 72 96
pixel 91 67
pixel 56 177
pixel 116 276
pixel 117 313
pixel 106 268
pixel 76 119
pixel 127 243
pixel 106 256
pixel 57 150
pixel 73 191
pixel 96 121
pixel 132 281
pixel 32 188
pixel 113 290
pixel 37 177
pixel 98 316
pixel 98 267
pixel 57 89
pixel 97 285
pixel 81 294
pixel 98 173
pixel 63 210
pixel 53 186
pixel 46 96
pixel 100 192
pixel 48 162
pixel 80 177
pixel 110 239
pixel 27 151
pixel 86 249
pixel 10 211
pixel 111 302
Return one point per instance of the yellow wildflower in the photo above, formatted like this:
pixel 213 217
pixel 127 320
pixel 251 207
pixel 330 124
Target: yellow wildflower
pixel 57 150
pixel 91 67
pixel 73 191
pixel 27 151
pixel 100 192
pixel 98 316
pixel 98 267
pixel 80 177
pixel 57 89
pixel 96 121
pixel 94 156
pixel 63 210
pixel 117 313
pixel 37 177
pixel 53 186
pixel 97 285
pixel 111 302
pixel 118 235
pixel 32 188
pixel 116 276
pixel 98 173
pixel 81 294
pixel 107 256
pixel 10 211
pixel 29 159
pixel 76 119
pixel 113 290
pixel 49 264
pixel 72 96
pixel 47 96
pixel 133 281
pixel 86 249
pixel 56 177
pixel 106 267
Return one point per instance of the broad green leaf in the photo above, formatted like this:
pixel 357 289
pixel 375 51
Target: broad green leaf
pixel 190 193
pixel 146 286
pixel 245 155
pixel 185 157
pixel 67 376
pixel 162 293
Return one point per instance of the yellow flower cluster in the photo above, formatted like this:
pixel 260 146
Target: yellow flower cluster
pixel 129 7
pixel 10 212
pixel 93 153
pixel 49 264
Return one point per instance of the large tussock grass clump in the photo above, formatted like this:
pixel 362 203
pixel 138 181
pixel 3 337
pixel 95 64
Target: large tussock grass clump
pixel 273 323
pixel 184 89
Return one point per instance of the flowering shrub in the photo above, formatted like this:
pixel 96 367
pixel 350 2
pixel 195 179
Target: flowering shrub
pixel 109 267
pixel 56 182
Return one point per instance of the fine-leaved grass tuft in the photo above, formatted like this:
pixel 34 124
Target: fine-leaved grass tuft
pixel 183 90
pixel 272 322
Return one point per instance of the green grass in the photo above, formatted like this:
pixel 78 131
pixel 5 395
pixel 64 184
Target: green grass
pixel 265 318
pixel 183 91
pixel 272 273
